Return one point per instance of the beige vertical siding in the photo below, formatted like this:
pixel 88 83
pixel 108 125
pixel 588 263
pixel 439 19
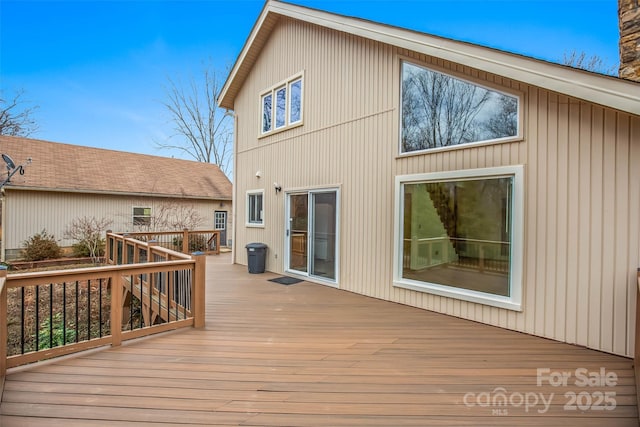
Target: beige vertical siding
pixel 29 212
pixel 582 184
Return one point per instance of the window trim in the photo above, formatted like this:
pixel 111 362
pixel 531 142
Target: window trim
pixel 134 216
pixel 289 84
pixel 512 302
pixel 273 90
pixel 262 122
pixel 215 219
pixel 519 95
pixel 248 222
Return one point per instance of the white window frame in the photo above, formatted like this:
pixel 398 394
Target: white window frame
pixel 276 106
pixel 467 79
pixel 250 223
pixel 289 84
pixel 217 215
pixel 134 216
pixel 273 90
pixel 511 302
pixel 287 242
pixel 262 97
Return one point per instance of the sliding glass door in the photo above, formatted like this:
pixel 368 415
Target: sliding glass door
pixel 312 233
pixel 298 232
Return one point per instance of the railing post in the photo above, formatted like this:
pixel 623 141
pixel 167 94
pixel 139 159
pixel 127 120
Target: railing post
pixel 150 244
pixel 136 254
pixel 125 249
pixel 198 292
pixel 3 326
pixel 116 309
pixel 185 241
pixel 107 247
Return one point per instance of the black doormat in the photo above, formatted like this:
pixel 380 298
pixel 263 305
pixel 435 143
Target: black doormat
pixel 284 280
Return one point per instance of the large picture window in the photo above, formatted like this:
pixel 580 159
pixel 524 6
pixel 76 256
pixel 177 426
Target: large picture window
pixel 441 111
pixel 281 105
pixel 459 234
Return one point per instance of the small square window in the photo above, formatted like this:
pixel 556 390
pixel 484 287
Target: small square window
pixel 142 216
pixel 255 208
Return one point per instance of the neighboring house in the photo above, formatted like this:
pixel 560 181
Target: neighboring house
pixel 522 211
pixel 136 192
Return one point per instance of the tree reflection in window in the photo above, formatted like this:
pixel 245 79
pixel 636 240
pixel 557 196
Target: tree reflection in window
pixel 281 104
pixel 295 102
pixel 266 112
pixel 439 110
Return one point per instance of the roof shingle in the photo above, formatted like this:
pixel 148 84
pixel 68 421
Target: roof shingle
pixel 65 167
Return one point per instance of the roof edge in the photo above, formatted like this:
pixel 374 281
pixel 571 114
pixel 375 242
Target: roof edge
pixel 109 193
pixel 257 26
pixel 609 91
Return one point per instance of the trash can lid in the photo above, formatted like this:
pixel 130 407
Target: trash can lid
pixel 256 245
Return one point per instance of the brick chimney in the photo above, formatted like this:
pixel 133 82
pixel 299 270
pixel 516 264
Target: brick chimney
pixel 629 22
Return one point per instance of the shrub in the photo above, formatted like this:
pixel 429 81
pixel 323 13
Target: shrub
pixel 41 246
pixel 84 249
pixel 197 242
pixel 87 232
pixel 57 338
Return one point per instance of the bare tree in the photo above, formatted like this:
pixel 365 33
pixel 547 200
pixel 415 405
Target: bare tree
pixel 16 117
pixel 88 232
pixel 439 110
pixel 504 121
pixel 589 63
pixel 171 216
pixel 202 130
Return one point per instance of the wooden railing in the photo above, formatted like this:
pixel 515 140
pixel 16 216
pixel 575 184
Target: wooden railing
pixel 3 326
pixel 185 241
pixel 480 255
pixel 53 313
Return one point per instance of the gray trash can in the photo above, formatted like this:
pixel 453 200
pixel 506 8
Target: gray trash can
pixel 256 255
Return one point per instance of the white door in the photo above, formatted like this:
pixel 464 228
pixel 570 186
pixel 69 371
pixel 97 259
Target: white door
pixel 220 223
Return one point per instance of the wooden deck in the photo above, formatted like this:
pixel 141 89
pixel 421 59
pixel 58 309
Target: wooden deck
pixel 309 355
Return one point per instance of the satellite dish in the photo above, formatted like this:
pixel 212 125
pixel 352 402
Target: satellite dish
pixel 8 161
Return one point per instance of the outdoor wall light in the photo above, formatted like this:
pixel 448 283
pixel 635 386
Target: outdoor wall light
pixel 259 174
pixel 278 187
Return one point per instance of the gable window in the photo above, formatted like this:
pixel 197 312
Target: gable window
pixel 267 101
pixel 255 208
pixel 141 216
pixel 459 234
pixel 440 111
pixel 295 101
pixel 282 105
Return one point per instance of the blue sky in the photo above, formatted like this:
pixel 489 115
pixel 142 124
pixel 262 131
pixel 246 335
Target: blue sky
pixel 98 69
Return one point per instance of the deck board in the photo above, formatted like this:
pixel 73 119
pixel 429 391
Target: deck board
pixel 309 355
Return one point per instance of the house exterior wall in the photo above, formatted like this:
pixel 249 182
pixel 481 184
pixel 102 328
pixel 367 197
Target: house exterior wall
pixel 26 213
pixel 581 190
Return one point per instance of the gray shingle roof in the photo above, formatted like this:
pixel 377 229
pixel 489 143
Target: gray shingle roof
pixel 65 167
